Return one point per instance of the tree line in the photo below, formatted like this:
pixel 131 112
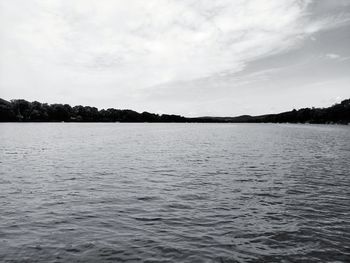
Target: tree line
pixel 20 110
pixel 337 114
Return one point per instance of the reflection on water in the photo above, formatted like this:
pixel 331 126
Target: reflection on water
pixel 174 193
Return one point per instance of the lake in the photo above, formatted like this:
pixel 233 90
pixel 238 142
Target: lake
pixel 114 192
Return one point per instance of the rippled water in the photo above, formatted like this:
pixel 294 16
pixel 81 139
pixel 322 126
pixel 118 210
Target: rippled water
pixel 174 193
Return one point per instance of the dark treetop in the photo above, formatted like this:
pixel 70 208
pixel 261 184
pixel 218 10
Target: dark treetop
pixel 24 111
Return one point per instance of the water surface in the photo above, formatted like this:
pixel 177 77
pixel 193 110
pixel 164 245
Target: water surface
pixel 115 192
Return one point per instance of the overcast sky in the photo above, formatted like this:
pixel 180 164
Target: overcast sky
pixel 188 57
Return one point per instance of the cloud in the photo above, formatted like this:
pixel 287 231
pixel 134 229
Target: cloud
pixel 176 39
pixel 104 49
pixel 332 56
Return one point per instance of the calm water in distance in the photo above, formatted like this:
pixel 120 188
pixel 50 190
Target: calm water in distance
pixel 115 192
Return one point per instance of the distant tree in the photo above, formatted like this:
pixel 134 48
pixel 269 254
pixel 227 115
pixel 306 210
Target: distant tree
pixel 22 109
pixel 149 117
pixel 6 111
pixel 60 112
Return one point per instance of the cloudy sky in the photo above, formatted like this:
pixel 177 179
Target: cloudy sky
pixel 188 57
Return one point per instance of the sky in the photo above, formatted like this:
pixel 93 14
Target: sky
pixel 188 57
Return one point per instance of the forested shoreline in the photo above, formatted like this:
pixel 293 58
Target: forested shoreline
pixel 20 110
